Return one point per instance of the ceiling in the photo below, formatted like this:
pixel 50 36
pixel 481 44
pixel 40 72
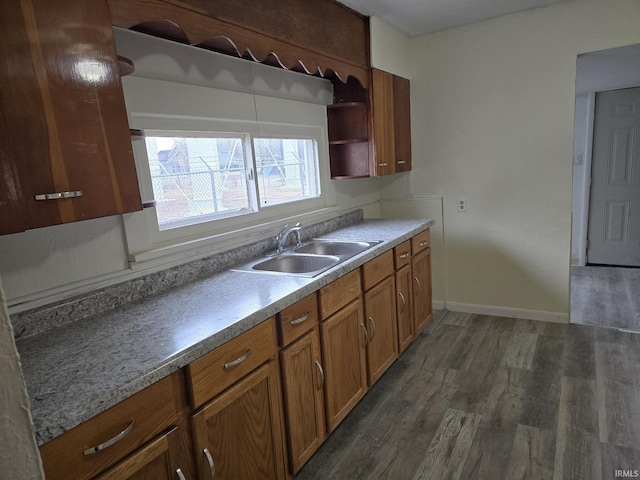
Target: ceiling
pixel 418 17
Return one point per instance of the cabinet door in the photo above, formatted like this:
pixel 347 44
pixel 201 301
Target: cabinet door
pixel 302 382
pixel 383 123
pixel 421 270
pixel 402 123
pixel 404 307
pixel 238 435
pixel 345 363
pixel 380 314
pixel 63 109
pixel 158 460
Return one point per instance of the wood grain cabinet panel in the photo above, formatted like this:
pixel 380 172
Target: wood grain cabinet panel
pixel 382 106
pixel 345 361
pixel 158 460
pixel 210 374
pixel 62 114
pixel 382 341
pixel 142 416
pixel 404 307
pixel 303 391
pixel 339 293
pixel 402 123
pixel 422 308
pixel 239 435
pixel 296 320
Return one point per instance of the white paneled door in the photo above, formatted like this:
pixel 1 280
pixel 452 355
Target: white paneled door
pixel 614 210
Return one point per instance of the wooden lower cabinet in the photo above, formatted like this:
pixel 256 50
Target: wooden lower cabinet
pixel 382 336
pixel 422 309
pixel 345 362
pixel 303 391
pixel 404 307
pixel 239 434
pixel 158 460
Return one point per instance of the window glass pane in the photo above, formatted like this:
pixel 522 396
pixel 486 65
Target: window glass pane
pixel 196 179
pixel 287 169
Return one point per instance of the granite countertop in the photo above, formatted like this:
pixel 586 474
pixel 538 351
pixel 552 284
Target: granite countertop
pixel 79 370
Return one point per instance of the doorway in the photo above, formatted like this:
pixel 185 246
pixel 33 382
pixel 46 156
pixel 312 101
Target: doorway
pixel 603 290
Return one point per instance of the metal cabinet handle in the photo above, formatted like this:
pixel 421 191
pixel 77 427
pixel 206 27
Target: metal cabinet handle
pixel 298 321
pixel 418 282
pixel 111 441
pixel 404 302
pixel 423 243
pixel 58 195
pixel 366 335
pixel 401 162
pixel 383 164
pixel 321 370
pixel 238 361
pixel 212 467
pixel 404 255
pixel 373 328
pixel 180 475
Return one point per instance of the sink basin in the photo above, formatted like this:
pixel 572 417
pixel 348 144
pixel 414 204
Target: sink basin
pixel 307 260
pixel 343 249
pixel 299 264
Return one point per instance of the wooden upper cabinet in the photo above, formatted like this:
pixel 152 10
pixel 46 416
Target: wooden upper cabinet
pixel 62 115
pixel 391 111
pixel 402 123
pixel 383 158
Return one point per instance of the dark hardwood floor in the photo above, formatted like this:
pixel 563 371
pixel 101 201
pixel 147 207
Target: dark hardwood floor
pixel 606 297
pixel 482 397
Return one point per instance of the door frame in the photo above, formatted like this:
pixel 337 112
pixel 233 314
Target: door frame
pixel 585 181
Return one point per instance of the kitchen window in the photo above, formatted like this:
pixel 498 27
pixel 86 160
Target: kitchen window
pixel 202 177
pixel 232 150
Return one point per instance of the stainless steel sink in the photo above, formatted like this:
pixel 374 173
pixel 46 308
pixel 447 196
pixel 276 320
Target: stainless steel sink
pixel 299 264
pixel 307 260
pixel 340 248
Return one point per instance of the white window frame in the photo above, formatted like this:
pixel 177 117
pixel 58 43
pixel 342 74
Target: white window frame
pixel 151 247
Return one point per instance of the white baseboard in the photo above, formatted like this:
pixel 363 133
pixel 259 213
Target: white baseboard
pixel 438 305
pixel 540 315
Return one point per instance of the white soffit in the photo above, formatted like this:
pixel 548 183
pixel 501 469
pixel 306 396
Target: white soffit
pixel 419 17
pixel 608 69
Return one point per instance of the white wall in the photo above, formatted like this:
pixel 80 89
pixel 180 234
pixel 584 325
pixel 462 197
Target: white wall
pixel 390 48
pixel 492 121
pixel 19 457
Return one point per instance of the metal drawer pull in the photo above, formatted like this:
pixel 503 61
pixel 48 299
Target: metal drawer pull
pixel 366 335
pixel 373 328
pixel 180 475
pixel 301 319
pixel 111 441
pixel 404 302
pixel 321 374
pixel 423 243
pixel 383 164
pixel 212 467
pixel 401 162
pixel 238 361
pixel 59 195
pixel 419 288
pixel 404 255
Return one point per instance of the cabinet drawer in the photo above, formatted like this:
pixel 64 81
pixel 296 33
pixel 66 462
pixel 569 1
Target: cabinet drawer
pixel 421 242
pixel 340 292
pixel 212 373
pixel 375 270
pixel 402 254
pixel 143 416
pixel 297 319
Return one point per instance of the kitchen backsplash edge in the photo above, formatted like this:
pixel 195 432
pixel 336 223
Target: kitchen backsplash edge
pixel 41 319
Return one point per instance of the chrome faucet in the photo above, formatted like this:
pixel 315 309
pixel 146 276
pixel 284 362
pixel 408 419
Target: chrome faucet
pixel 282 237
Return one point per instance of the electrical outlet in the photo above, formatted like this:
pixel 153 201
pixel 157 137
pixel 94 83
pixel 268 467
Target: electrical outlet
pixel 461 204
